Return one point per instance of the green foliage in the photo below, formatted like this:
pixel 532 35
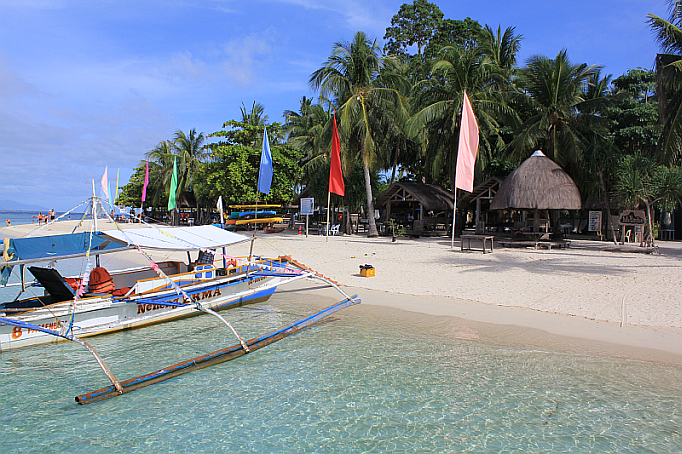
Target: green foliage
pixel 640 181
pixel 396 231
pixel 668 33
pixel 457 33
pixel 131 194
pixel 414 24
pixel 555 90
pixel 634 113
pixel 233 169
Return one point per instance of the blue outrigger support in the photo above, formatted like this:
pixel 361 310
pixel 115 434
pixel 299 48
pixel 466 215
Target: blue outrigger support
pixel 216 357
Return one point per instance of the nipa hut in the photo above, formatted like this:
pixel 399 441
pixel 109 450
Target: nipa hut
pixel 423 208
pixel 537 184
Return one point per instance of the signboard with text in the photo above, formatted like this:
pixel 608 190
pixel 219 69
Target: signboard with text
pixel 307 206
pixel 632 217
pixel 595 221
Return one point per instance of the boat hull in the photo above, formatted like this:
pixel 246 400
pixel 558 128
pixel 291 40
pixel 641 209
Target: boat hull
pixel 102 315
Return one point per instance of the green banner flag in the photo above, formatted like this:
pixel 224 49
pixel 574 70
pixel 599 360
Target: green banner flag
pixel 174 186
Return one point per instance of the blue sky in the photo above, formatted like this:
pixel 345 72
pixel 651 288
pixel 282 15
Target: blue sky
pixel 86 84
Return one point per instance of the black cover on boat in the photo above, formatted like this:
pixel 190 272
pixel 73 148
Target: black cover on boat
pixel 53 282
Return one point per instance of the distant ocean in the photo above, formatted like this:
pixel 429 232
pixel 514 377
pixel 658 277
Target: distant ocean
pixel 17 217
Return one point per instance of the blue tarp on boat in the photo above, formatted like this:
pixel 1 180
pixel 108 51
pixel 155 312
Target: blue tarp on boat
pixel 56 246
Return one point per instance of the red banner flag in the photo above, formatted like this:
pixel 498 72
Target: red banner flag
pixel 468 148
pixel 336 184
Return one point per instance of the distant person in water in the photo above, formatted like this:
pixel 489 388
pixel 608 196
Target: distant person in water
pixel 9 223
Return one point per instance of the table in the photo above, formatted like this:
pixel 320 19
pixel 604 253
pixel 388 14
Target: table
pixel 666 234
pixel 483 239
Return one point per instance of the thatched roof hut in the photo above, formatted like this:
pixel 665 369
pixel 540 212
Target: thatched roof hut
pixel 418 199
pixel 537 184
pixel 431 196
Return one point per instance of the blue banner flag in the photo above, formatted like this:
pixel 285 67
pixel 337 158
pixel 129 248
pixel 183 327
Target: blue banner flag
pixel 265 173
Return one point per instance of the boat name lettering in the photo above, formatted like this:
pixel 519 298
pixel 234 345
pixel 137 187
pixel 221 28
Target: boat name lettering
pixel 142 308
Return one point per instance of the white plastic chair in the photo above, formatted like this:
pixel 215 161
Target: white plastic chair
pixel 334 231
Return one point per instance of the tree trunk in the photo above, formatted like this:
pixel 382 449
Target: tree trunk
pixel 395 162
pixel 370 204
pixel 608 207
pixel 649 240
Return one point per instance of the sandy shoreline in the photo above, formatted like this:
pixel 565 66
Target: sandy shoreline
pixel 582 292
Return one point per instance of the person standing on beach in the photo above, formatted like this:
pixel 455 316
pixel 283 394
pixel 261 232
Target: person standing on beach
pixel 40 218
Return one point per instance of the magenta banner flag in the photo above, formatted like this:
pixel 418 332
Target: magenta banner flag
pixel 468 148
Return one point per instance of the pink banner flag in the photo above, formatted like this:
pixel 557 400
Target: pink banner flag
pixel 105 183
pixel 146 182
pixel 468 148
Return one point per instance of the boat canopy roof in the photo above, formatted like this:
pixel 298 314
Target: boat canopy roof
pixel 52 247
pixel 177 238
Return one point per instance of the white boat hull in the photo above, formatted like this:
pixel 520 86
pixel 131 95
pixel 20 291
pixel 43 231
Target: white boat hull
pixel 101 315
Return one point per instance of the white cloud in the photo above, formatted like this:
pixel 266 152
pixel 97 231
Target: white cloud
pixel 242 57
pixel 370 17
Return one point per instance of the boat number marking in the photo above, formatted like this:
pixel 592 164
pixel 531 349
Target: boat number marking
pixel 142 308
pixel 17 331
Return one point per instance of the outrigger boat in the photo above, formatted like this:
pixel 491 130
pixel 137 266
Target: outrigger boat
pixel 102 301
pixel 131 297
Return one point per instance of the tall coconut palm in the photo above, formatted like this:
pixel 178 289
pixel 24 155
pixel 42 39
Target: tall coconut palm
pixel 500 48
pixel 308 129
pixel 358 78
pixel 554 90
pixel 160 163
pixel 192 152
pixel 668 33
pixel 439 100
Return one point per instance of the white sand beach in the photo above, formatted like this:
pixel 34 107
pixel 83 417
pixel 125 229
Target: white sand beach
pixel 608 298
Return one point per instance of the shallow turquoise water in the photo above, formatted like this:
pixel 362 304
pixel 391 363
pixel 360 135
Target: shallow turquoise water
pixel 371 380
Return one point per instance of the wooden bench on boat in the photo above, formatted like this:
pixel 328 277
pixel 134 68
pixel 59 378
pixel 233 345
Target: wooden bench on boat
pixel 483 239
pixel 536 244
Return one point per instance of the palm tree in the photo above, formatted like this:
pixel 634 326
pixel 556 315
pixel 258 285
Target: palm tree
pixel 439 105
pixel 640 181
pixel 308 129
pixel 554 91
pixel 500 48
pixel 160 162
pixel 192 152
pixel 256 117
pixel 359 79
pixel 669 79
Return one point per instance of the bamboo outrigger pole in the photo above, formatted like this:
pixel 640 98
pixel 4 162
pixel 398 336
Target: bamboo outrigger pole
pixel 216 357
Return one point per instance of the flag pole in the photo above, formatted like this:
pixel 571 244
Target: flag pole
pixel 454 216
pixel 329 197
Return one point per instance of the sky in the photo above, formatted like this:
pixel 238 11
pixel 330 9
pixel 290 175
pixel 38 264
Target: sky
pixel 89 84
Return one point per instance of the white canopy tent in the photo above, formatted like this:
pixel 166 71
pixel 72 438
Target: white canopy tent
pixel 177 238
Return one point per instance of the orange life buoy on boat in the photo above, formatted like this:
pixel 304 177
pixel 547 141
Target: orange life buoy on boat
pixel 100 281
